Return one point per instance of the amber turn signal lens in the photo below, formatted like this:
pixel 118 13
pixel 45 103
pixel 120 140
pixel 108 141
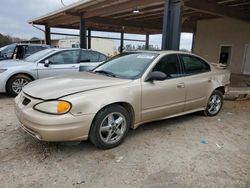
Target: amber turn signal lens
pixel 63 107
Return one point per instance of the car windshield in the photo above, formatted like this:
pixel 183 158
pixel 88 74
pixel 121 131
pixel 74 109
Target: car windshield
pixel 38 55
pixel 8 49
pixel 128 66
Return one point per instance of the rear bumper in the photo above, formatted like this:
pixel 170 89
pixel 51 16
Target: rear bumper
pixel 53 128
pixel 226 88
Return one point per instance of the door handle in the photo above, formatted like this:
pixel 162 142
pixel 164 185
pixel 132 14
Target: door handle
pixel 181 85
pixel 210 79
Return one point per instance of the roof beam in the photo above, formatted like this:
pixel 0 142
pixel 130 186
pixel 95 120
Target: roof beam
pixel 144 16
pixel 131 15
pixel 225 1
pixel 121 6
pixel 239 4
pixel 212 7
pixel 128 12
pixel 124 23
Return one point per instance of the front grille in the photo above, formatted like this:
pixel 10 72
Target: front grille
pixel 26 101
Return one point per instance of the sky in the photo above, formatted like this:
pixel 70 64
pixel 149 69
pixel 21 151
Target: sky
pixel 15 14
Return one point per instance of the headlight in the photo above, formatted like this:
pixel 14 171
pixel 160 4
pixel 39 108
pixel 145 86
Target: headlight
pixel 2 70
pixel 53 107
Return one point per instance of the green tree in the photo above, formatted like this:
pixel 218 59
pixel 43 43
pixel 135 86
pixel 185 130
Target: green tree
pixel 34 38
pixel 5 40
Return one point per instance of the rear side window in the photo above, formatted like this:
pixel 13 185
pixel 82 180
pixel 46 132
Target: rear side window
pixel 88 56
pixel 169 65
pixel 32 49
pixel 102 57
pixel 91 56
pixel 194 65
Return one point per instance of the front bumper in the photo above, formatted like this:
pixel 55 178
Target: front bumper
pixel 48 127
pixel 3 80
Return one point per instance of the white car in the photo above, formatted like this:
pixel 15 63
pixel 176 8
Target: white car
pixel 15 74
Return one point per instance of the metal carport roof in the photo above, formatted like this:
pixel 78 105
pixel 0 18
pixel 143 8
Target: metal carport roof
pixel 140 16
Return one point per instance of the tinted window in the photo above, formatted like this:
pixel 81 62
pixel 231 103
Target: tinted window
pixel 194 65
pixel 65 57
pixel 169 65
pixel 102 58
pixel 92 56
pixel 38 55
pixel 32 49
pixel 88 56
pixel 95 56
pixel 8 49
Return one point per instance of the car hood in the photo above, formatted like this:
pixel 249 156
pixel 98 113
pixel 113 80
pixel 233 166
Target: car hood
pixel 60 86
pixel 12 63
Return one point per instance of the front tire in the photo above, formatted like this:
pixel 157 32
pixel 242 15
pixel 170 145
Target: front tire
pixel 16 83
pixel 215 103
pixel 110 127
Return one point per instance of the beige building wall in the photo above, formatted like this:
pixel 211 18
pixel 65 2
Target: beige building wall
pixel 214 33
pixel 105 46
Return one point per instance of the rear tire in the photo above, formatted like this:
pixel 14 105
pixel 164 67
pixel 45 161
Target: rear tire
pixel 215 104
pixel 16 83
pixel 110 127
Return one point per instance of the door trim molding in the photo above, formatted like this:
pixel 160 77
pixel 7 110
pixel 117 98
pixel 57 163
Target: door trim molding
pixel 244 58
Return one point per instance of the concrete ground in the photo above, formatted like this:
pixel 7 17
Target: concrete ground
pixel 188 151
pixel 239 87
pixel 239 80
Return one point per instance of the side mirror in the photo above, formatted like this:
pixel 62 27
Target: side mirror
pixel 46 63
pixel 156 75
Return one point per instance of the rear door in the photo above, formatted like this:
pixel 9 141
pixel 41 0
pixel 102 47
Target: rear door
pixel 90 59
pixel 197 81
pixel 164 98
pixel 63 62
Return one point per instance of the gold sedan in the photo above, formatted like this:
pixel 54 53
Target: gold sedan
pixel 122 93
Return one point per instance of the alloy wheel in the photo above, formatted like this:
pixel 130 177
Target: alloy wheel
pixel 214 104
pixel 112 128
pixel 18 84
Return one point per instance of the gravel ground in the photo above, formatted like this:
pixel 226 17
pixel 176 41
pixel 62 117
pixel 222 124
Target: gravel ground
pixel 188 151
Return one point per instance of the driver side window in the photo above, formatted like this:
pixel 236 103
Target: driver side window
pixel 169 65
pixel 65 57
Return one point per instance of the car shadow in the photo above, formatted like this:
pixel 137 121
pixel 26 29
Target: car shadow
pixel 163 124
pixel 87 147
pixel 5 96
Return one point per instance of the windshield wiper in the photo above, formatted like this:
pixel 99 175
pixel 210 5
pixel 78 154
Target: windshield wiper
pixel 106 73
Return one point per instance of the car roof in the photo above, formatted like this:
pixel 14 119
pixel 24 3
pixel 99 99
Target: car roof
pixel 28 44
pixel 166 52
pixel 159 51
pixel 64 49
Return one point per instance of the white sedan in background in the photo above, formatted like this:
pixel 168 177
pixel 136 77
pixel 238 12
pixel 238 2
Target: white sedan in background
pixel 15 74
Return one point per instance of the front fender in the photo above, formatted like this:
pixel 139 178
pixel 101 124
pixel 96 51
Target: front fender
pixel 91 102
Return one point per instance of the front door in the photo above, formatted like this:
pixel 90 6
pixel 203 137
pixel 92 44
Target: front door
pixel 64 62
pixel 246 69
pixel 164 98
